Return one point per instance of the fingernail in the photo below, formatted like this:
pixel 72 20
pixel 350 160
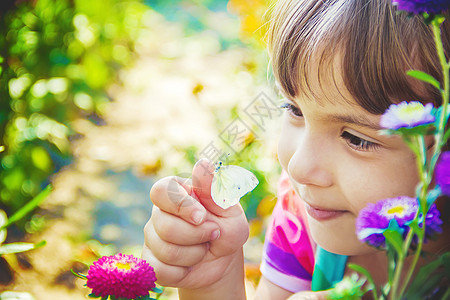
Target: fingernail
pixel 215 235
pixel 197 216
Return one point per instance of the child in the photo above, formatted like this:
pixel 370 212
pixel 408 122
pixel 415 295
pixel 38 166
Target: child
pixel 340 64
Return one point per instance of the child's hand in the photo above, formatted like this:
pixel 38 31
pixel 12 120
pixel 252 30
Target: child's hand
pixel 189 240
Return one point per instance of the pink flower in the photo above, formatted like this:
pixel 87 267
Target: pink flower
pixel 122 276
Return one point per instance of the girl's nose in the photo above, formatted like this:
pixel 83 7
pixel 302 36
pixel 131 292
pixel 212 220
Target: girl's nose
pixel 311 163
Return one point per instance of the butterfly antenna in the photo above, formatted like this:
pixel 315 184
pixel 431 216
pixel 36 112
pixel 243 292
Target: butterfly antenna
pixel 218 165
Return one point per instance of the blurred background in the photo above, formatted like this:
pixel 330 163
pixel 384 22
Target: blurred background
pixel 101 98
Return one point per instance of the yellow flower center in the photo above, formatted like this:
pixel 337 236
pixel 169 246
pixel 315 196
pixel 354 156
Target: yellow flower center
pixel 411 111
pixel 396 210
pixel 123 266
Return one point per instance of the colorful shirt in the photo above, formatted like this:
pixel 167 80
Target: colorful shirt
pixel 288 258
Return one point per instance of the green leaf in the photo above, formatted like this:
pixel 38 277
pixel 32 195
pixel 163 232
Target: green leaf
pixel 433 195
pixel 425 288
pixel 385 290
pixel 361 270
pixel 407 132
pixel 19 247
pixel 393 235
pixel 429 277
pixel 394 239
pixel 367 274
pixel 414 225
pixel 445 258
pixel 3 220
pixel 92 295
pixel 425 271
pixel 438 20
pixel 157 290
pixel 40 244
pixel 424 77
pixel 446 136
pixel 29 206
pixel 78 274
pixel 437 112
pixel 447 293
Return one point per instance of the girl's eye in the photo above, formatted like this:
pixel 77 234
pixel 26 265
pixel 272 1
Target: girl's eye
pixel 292 109
pixel 358 143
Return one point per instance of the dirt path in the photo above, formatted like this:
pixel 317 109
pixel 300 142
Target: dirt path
pixel 172 99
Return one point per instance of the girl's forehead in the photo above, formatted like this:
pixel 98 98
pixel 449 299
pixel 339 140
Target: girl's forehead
pixel 327 99
pixel 323 81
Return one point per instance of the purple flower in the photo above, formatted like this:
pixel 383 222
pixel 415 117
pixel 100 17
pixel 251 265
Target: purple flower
pixel 374 219
pixel 122 276
pixel 442 172
pixel 407 115
pixel 433 221
pixel 421 6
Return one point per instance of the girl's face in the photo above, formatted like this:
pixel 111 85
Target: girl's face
pixel 338 163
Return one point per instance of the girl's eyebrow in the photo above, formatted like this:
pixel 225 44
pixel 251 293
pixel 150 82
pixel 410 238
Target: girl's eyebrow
pixel 358 120
pixel 352 119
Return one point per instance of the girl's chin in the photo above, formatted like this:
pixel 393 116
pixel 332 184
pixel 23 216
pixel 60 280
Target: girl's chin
pixel 335 241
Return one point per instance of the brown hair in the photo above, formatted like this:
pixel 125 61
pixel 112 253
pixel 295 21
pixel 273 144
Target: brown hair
pixel 376 44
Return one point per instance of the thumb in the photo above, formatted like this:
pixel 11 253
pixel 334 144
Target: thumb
pixel 202 177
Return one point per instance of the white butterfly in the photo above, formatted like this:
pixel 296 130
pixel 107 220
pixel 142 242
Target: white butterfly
pixel 230 183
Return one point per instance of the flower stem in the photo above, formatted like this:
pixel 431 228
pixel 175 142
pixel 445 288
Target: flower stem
pixel 444 93
pixel 412 266
pixel 399 266
pixel 426 175
pixel 447 294
pixel 414 262
pixel 398 271
pixel 421 158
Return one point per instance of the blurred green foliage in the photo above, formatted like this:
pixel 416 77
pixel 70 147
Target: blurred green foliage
pixel 57 59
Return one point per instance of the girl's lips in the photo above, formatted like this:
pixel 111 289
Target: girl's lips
pixel 321 214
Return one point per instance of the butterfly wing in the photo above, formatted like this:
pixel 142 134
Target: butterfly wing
pixel 230 183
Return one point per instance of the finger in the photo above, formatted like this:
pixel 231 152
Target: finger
pixel 170 194
pixel 177 231
pixel 202 176
pixel 175 255
pixel 166 275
